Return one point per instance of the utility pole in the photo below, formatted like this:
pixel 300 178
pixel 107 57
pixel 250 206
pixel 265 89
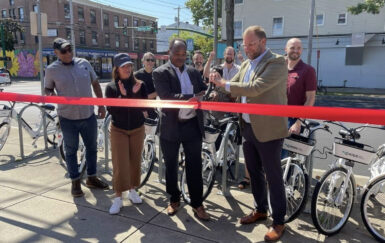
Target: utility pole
pixel 177 24
pixel 39 35
pixel 215 30
pixel 310 36
pixel 72 28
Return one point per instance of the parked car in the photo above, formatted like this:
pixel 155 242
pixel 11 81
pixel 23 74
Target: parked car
pixel 5 78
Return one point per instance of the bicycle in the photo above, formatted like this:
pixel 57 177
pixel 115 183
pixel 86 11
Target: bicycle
pixel 81 153
pixel 34 128
pixel 294 171
pixel 334 194
pixel 226 156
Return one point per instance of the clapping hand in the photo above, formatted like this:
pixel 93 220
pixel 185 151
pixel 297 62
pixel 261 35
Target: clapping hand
pixel 123 90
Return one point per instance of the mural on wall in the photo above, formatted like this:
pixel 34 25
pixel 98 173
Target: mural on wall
pixel 25 63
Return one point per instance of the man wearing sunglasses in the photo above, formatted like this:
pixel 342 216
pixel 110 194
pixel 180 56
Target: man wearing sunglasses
pixel 145 74
pixel 74 77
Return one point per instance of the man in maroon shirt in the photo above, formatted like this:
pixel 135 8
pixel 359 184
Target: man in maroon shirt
pixel 301 81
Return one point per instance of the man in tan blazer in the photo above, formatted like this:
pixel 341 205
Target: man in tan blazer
pixel 262 80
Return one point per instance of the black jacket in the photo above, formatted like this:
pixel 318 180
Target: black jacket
pixel 126 117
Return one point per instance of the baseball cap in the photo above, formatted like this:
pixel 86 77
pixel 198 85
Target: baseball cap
pixel 60 43
pixel 122 59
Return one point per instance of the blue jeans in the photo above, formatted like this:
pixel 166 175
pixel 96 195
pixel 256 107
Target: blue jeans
pixel 290 123
pixel 87 128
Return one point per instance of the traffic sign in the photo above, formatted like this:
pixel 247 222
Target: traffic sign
pixel 144 28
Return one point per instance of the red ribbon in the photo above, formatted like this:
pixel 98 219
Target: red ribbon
pixel 371 116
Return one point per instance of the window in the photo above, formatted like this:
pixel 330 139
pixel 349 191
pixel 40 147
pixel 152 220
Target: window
pixel 278 26
pixel 320 19
pixel 82 35
pixel 94 38
pixel 238 29
pixel 21 14
pixel 117 41
pixel 22 38
pixel 136 44
pixel 238 2
pixel 116 21
pixel 125 21
pixel 107 39
pixel 3 13
pixel 68 33
pixel 151 44
pixel 136 22
pixel 36 39
pixel 12 13
pixel 126 43
pixel 67 11
pixel 34 7
pixel 92 16
pixel 80 13
pixel 15 38
pixel 11 2
pixel 144 47
pixel 106 20
pixel 341 18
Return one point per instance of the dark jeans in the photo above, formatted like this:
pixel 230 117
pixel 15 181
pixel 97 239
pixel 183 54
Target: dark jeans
pixel 191 140
pixel 71 129
pixel 263 163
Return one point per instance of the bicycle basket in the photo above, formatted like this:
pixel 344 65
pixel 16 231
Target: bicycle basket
pixel 353 151
pixel 150 126
pixel 299 144
pixel 211 134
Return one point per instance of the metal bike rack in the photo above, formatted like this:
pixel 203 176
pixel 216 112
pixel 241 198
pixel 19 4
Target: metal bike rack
pixel 20 126
pixel 161 165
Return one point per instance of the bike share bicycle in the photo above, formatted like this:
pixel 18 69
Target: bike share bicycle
pixel 334 194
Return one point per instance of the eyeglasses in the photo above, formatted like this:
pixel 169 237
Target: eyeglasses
pixel 65 51
pixel 150 60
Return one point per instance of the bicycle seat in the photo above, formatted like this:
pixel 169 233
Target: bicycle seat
pixel 312 123
pixel 48 107
pixel 346 134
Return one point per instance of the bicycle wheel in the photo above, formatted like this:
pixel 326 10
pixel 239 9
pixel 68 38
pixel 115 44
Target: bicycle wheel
pixel 208 177
pixel 373 208
pixel 330 210
pixel 296 189
pixel 81 157
pixel 148 160
pixel 52 127
pixel 4 133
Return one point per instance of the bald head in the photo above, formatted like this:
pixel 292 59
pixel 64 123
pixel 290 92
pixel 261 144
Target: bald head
pixel 293 49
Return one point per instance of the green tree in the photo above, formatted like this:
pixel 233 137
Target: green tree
pixel 202 43
pixel 10 28
pixel 203 10
pixel 369 6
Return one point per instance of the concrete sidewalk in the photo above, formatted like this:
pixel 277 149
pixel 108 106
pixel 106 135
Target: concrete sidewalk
pixel 36 205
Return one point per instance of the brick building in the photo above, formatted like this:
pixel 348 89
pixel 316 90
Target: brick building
pixel 96 36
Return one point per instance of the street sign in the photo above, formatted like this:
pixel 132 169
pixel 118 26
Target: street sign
pixel 144 28
pixel 190 44
pixel 33 19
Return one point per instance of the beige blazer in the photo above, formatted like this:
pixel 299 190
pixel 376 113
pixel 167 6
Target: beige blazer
pixel 267 85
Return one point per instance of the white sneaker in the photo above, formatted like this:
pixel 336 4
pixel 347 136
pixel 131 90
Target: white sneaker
pixel 116 205
pixel 134 197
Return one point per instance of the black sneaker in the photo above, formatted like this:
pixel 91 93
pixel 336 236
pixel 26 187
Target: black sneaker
pixel 94 182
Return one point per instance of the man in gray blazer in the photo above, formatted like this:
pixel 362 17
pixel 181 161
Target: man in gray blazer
pixel 262 80
pixel 175 81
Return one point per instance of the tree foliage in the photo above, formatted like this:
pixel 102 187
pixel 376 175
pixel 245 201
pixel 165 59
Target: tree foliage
pixel 203 11
pixel 202 43
pixel 369 6
pixel 10 28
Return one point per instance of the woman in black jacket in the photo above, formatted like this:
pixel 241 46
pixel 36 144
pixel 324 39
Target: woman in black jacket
pixel 127 131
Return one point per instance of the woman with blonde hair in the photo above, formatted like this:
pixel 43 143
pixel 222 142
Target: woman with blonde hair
pixel 127 131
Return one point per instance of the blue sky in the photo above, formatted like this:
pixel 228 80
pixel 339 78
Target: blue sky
pixel 164 10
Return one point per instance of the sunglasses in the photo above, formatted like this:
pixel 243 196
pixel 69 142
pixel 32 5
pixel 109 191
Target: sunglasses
pixel 65 51
pixel 150 60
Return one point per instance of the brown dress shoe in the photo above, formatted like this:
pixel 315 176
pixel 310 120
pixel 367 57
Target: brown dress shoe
pixel 275 232
pixel 173 208
pixel 253 217
pixel 94 182
pixel 76 189
pixel 201 214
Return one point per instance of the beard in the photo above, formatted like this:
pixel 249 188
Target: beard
pixel 293 57
pixel 229 60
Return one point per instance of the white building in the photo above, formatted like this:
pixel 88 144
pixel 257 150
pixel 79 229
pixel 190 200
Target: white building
pixel 351 47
